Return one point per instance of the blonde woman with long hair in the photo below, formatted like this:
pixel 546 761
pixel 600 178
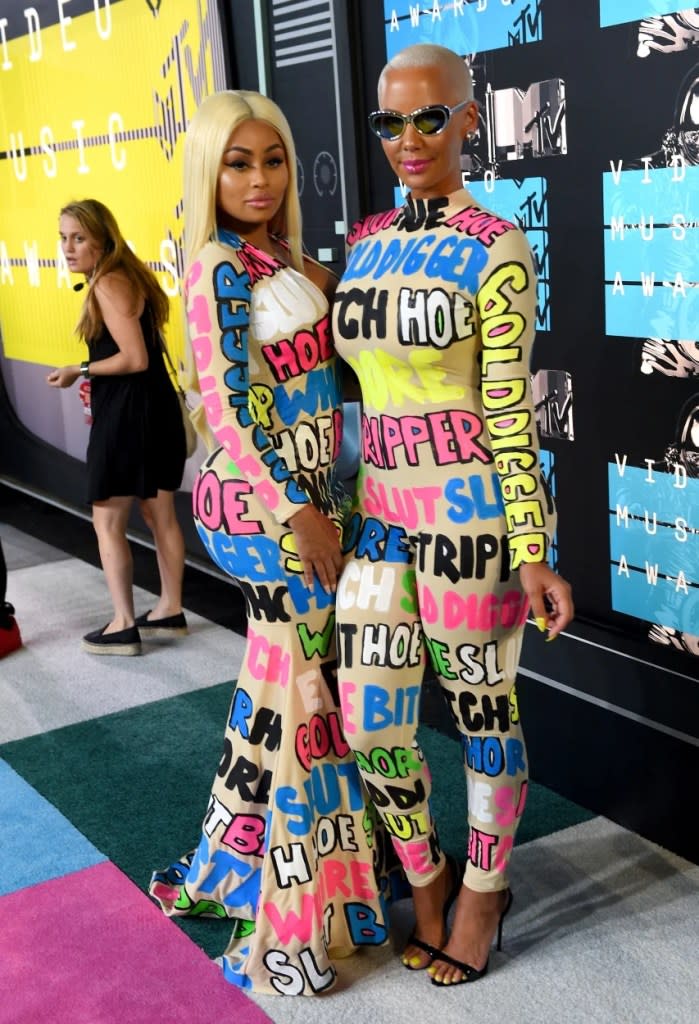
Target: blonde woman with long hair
pixel 136 449
pixel 286 846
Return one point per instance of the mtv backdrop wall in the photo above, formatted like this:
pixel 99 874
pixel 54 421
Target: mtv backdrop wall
pixel 589 139
pixel 96 96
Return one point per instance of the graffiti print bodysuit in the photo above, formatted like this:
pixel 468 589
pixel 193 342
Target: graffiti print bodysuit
pixel 286 845
pixel 436 315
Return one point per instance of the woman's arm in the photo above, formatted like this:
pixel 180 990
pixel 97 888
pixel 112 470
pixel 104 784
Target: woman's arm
pixel 121 307
pixel 507 311
pixel 218 297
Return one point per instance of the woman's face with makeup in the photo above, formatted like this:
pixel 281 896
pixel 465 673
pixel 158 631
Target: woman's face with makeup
pixel 252 179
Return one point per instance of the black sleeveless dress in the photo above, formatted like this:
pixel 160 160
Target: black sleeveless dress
pixel 137 442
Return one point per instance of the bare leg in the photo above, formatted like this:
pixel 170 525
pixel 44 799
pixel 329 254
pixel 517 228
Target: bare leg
pixel 475 923
pixel 159 515
pixel 429 901
pixel 109 519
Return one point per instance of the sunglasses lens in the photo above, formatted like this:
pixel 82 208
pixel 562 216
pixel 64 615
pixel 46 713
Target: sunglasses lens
pixel 431 120
pixel 386 126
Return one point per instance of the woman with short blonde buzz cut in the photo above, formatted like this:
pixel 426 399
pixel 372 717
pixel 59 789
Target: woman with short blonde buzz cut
pixel 448 541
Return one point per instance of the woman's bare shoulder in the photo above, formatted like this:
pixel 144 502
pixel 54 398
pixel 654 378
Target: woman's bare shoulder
pixel 116 291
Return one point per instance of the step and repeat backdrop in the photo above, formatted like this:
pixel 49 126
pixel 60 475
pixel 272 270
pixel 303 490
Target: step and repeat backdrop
pixel 589 139
pixel 95 96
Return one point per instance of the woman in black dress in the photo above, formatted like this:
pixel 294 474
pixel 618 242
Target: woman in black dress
pixel 137 443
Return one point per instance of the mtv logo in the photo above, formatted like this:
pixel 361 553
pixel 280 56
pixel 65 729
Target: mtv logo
pixel 531 123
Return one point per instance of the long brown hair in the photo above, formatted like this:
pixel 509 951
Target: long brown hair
pixel 99 223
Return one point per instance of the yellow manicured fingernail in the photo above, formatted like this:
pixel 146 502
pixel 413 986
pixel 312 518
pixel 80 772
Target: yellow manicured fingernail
pixel 550 638
pixel 540 624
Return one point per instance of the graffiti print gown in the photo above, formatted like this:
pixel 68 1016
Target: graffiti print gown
pixel 287 845
pixel 436 315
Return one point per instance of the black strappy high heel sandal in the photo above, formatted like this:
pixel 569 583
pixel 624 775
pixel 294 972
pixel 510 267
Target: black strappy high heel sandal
pixel 432 951
pixel 472 973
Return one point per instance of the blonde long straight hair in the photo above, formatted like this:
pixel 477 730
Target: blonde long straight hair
pixel 208 132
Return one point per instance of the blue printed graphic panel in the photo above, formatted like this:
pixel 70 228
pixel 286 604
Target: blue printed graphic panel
pixel 654 525
pixel 614 12
pixel 524 202
pixel 651 240
pixel 465 27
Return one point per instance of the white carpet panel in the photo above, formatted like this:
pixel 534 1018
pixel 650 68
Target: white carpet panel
pixel 51 682
pixel 604 929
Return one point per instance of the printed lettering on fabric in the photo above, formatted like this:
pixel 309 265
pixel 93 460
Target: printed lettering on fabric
pixel 308 446
pixel 374 708
pixel 419 856
pixel 372 539
pixel 257 264
pixel 433 317
pixel 293 357
pixel 254 562
pixel 481 613
pixel 328 787
pixel 395 647
pixel 416 214
pixel 211 866
pixel 314 915
pixel 222 504
pixel 509 426
pixel 501 804
pixel 497 660
pixel 320 394
pixel 418 379
pixel 318 738
pixel 289 980
pixel 465 558
pixel 396 763
pixel 480 224
pixel 458 261
pixel 259 725
pixel 232 297
pixel 479 713
pixel 491 756
pixel 450 437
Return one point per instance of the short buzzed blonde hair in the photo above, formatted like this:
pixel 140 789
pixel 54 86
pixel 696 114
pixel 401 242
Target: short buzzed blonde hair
pixel 430 55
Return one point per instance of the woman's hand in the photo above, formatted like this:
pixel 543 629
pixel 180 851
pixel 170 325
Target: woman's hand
pixel 318 546
pixel 64 377
pixel 545 588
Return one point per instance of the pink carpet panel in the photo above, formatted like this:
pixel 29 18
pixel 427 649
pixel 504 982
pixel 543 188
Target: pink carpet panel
pixel 90 948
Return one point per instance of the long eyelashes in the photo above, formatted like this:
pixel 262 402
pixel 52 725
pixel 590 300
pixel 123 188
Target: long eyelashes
pixel 242 165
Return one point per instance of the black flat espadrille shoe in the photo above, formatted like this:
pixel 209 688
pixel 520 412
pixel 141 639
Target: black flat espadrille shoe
pixel 171 625
pixel 126 641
